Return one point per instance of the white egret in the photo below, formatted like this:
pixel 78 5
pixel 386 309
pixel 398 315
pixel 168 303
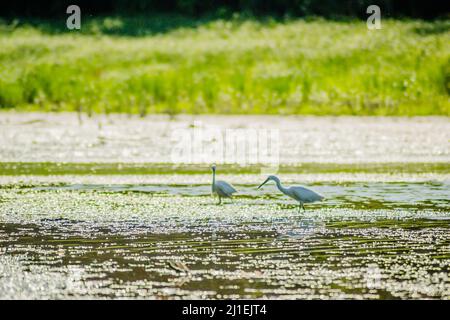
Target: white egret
pixel 301 194
pixel 221 188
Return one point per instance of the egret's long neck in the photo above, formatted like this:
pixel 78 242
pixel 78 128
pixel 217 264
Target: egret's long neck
pixel 280 187
pixel 214 180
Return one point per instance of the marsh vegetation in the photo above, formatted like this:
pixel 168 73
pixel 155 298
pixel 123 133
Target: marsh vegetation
pixel 168 64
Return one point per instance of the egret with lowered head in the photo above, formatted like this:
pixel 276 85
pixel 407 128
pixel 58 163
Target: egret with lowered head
pixel 221 188
pixel 301 194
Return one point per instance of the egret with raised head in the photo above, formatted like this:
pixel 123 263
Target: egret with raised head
pixel 221 188
pixel 301 194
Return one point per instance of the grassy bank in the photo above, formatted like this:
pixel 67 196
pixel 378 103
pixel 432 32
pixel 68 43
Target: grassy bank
pixel 157 65
pixel 54 168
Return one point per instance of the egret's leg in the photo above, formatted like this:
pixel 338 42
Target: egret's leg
pixel 220 200
pixel 303 207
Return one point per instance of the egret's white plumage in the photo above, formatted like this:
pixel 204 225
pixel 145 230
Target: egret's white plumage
pixel 221 188
pixel 301 194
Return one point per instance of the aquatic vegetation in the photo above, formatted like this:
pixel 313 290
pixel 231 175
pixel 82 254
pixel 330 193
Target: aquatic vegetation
pixel 73 225
pixel 388 240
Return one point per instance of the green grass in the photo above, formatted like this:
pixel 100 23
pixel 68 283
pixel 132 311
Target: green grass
pixel 157 65
pixel 54 168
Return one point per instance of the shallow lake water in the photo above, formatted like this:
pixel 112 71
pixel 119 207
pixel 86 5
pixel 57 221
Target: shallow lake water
pixel 367 240
pixel 381 233
pixel 64 137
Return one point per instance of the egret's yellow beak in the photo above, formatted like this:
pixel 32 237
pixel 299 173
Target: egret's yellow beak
pixel 263 183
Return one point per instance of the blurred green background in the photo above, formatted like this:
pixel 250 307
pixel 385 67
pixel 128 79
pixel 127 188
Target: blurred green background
pixel 237 57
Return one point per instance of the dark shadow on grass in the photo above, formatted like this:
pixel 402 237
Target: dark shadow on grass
pixel 146 25
pixel 437 27
pixel 129 26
